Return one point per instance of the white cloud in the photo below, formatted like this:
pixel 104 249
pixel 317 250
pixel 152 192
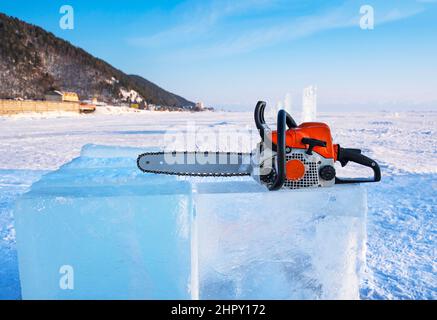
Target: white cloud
pixel 197 19
pixel 195 36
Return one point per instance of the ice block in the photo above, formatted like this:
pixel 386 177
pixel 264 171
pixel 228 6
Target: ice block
pixel 298 244
pixel 130 235
pixel 113 232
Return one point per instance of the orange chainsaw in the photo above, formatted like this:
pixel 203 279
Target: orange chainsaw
pixel 292 157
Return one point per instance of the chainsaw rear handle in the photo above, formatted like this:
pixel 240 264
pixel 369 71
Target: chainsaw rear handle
pixel 345 155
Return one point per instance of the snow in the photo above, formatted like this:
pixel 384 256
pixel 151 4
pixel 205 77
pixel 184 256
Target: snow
pixel 111 81
pixel 402 207
pixel 402 142
pixel 131 95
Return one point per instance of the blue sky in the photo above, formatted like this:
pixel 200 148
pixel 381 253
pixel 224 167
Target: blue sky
pixel 232 53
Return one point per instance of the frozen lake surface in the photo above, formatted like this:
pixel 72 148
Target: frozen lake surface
pixel 402 222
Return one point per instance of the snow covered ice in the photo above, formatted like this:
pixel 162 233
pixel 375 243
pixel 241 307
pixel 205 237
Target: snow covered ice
pixel 401 208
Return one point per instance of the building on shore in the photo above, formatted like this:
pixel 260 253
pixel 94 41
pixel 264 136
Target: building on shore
pixel 199 106
pixel 60 96
pixel 54 95
pixel 139 105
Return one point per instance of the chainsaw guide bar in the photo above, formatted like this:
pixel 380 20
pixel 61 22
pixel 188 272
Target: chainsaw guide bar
pixel 197 164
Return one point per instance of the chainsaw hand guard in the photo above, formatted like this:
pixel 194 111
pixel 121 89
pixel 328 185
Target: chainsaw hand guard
pixel 280 152
pixel 261 122
pixel 264 129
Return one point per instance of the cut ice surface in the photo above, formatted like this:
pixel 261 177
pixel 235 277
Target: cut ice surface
pixel 124 233
pixel 303 244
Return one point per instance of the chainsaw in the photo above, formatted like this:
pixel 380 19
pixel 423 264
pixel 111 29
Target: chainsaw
pixel 291 157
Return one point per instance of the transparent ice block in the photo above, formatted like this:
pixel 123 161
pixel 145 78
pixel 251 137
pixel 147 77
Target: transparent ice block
pixel 299 244
pixel 131 235
pixel 125 234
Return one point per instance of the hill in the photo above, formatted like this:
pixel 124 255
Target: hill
pixel 34 61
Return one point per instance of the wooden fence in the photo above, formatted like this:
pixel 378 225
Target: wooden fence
pixel 15 107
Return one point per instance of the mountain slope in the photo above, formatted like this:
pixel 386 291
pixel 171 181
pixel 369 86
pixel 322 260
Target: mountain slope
pixel 33 61
pixel 152 90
